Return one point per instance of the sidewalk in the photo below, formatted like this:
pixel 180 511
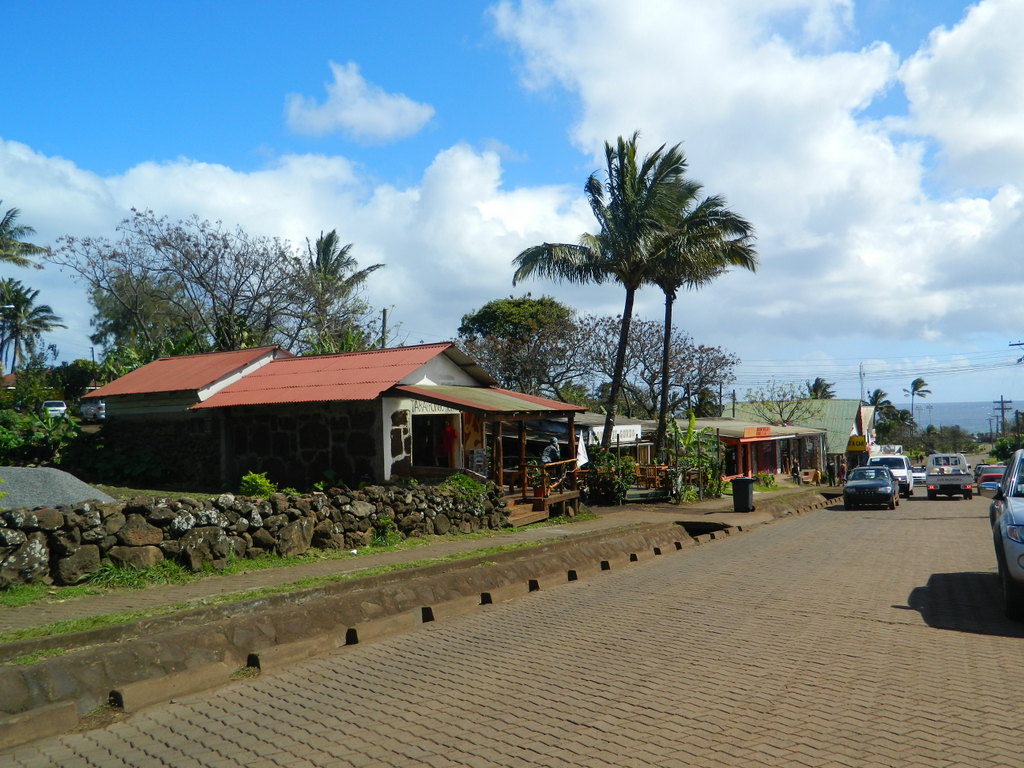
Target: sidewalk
pixel 708 515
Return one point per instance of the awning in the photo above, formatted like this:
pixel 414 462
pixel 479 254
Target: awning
pixel 488 401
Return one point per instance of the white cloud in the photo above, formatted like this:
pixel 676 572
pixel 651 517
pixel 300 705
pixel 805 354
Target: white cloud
pixel 849 237
pixel 966 90
pixel 357 108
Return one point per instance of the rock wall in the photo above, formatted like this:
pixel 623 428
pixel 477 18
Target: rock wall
pixel 64 545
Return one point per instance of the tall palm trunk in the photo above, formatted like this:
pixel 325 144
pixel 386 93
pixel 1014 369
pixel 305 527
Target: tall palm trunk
pixel 666 349
pixel 620 363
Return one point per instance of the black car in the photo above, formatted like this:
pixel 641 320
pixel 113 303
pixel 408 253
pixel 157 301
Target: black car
pixel 871 487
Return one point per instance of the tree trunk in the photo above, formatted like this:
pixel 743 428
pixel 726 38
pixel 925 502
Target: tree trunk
pixel 620 363
pixel 659 436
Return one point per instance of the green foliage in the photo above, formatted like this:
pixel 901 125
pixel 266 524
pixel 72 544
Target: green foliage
pixel 72 379
pixel 29 439
pixel 256 484
pixel 472 493
pixel 609 478
pixel 1004 447
pixel 698 463
pixel 384 532
pixel 515 319
pixel 113 576
pixel 765 479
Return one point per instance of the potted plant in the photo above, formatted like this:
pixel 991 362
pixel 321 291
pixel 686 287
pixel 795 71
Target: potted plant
pixel 535 478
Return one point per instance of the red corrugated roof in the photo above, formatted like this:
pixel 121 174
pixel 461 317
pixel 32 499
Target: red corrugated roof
pixel 181 374
pixel 350 376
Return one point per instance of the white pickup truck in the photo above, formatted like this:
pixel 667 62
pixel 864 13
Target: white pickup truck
pixel 949 474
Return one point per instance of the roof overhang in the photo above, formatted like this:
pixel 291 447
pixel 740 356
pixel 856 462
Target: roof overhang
pixel 487 401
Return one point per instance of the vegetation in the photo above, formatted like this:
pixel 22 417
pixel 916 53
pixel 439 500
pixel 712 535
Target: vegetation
pixel 22 323
pixel 609 478
pixel 917 389
pixel 13 248
pixel 819 389
pixel 469 491
pixel 187 286
pixel 256 484
pixel 781 403
pixel 32 439
pixel 632 205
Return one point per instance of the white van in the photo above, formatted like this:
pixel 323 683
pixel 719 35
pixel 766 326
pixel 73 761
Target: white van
pixel 901 469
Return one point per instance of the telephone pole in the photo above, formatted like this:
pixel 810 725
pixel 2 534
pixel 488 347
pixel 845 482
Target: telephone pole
pixel 1002 406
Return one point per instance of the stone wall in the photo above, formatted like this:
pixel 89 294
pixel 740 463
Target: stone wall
pixel 176 447
pixel 65 544
pixel 296 444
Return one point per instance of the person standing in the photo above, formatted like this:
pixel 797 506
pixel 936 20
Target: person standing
pixel 796 471
pixel 830 472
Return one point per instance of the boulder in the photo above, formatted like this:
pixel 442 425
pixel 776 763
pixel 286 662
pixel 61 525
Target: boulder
pixel 27 564
pixel 136 557
pixel 138 533
pixel 79 564
pixel 295 538
pixel 204 545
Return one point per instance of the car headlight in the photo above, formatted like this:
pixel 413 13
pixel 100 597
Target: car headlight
pixel 1015 532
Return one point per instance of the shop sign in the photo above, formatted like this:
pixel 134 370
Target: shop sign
pixel 757 431
pixel 421 407
pixel 857 443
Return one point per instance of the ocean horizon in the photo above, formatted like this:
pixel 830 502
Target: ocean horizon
pixel 974 417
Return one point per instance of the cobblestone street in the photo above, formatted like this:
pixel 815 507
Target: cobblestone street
pixel 867 638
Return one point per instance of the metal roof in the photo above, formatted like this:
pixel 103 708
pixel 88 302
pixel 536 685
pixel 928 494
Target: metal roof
pixel 184 373
pixel 488 400
pixel 325 378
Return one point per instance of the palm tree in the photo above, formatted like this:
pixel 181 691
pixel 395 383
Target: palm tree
pixel 13 249
pixel 884 409
pixel 819 389
pixel 917 389
pixel 705 240
pixel 331 279
pixel 22 322
pixel 633 207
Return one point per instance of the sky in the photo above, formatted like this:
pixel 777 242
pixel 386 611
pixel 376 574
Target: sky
pixel 875 145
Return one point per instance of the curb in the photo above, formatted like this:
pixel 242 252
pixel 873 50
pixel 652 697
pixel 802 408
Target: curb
pixel 153 661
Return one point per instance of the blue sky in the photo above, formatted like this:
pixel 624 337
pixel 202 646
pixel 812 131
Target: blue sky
pixel 875 145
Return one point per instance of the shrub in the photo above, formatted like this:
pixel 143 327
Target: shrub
pixel 609 477
pixel 471 492
pixel 256 484
pixel 765 479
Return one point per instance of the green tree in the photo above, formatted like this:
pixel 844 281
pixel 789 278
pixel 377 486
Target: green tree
pixel 22 322
pixel 13 248
pixel 705 239
pixel 327 289
pixel 530 345
pixel 72 379
pixel 884 409
pixel 782 403
pixel 634 205
pixel 819 389
pixel 917 389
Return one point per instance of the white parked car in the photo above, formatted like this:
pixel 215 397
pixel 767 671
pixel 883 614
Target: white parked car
pixel 92 410
pixel 56 408
pixel 900 467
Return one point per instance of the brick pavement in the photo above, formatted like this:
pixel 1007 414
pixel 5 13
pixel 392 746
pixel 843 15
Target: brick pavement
pixel 865 639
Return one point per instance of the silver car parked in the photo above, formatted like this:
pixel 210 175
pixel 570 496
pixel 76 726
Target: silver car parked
pixel 1007 515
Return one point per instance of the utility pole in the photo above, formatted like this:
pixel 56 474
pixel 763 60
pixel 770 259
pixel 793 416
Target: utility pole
pixel 862 382
pixel 1003 407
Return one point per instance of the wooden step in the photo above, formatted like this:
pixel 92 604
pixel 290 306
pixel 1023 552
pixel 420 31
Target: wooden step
pixel 524 514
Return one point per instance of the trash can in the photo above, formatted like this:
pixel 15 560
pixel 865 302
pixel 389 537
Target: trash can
pixel 743 494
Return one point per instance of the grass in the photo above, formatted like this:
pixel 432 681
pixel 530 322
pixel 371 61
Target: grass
pixel 124 617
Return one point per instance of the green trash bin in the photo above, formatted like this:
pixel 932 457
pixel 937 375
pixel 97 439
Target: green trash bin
pixel 743 494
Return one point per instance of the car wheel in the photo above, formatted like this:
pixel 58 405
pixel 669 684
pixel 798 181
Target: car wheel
pixel 1013 596
pixel 848 505
pixel 968 495
pixel 931 494
pixel 893 503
